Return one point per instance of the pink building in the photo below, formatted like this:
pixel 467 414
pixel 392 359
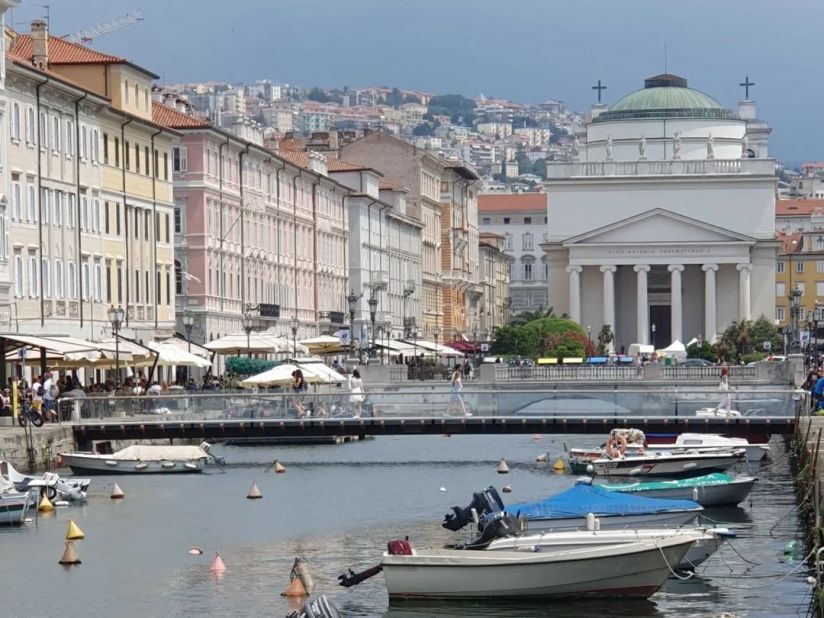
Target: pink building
pixel 254 232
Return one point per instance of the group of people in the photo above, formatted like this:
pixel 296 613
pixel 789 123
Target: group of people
pixel 41 394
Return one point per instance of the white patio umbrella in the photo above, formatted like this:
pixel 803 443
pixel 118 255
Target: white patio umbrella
pixel 323 344
pixel 240 343
pixel 170 354
pixel 280 376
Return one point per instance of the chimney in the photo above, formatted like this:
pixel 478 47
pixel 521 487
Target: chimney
pixel 39 44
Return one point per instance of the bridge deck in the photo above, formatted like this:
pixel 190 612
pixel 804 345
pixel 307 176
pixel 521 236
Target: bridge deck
pixel 273 428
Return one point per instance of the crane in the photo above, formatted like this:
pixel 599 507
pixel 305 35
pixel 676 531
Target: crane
pixel 86 36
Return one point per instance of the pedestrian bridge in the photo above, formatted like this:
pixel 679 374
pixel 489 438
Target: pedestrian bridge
pixel 268 414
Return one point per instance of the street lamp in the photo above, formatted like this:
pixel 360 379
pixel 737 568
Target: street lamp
pixel 352 299
pixel 248 324
pixel 437 332
pixel 294 325
pixel 188 324
pixel 475 338
pixel 795 312
pixel 116 316
pixel 652 328
pixel 373 310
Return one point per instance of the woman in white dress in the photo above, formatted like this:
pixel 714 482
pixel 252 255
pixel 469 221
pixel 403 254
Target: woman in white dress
pixel 356 395
pixel 456 398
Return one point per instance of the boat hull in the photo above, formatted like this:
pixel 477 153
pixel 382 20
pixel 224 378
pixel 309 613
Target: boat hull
pixel 729 494
pixel 755 452
pixel 636 570
pixel 95 465
pixel 14 508
pixel 688 464
pixel 613 522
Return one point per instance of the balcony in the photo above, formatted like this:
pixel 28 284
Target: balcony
pixel 699 167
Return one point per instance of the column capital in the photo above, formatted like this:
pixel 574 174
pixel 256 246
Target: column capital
pixel 608 268
pixel 641 268
pixel 574 268
pixel 740 267
pixel 707 267
pixel 676 267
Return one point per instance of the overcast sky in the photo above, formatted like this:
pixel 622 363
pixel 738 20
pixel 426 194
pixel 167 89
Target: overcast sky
pixel 525 50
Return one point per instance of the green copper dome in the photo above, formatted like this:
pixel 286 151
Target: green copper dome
pixel 665 96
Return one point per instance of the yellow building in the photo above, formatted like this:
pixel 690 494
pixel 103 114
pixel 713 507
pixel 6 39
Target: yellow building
pixel 800 266
pixel 126 206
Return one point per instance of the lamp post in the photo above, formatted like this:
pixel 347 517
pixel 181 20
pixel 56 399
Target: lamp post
pixel 437 332
pixel 475 338
pixel 116 316
pixel 373 310
pixel 248 323
pixel 795 312
pixel 652 328
pixel 188 325
pixel 294 325
pixel 352 299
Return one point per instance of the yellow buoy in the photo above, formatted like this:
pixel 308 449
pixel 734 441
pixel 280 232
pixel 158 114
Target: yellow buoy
pixel 45 505
pixel 559 464
pixel 254 492
pixel 502 467
pixel 73 532
pixel 69 555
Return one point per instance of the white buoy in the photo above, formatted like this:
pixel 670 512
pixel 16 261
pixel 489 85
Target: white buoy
pixel 542 458
pixel 117 493
pixel 502 467
pixel 254 492
pixel 443 488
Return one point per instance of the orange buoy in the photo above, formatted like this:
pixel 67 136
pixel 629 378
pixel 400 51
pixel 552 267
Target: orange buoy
pixel 536 437
pixel 69 555
pixel 279 467
pixel 117 493
pixel 254 492
pixel 73 532
pixel 217 564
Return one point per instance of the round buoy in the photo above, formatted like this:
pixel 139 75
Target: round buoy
pixel 196 551
pixel 45 505
pixel 443 488
pixel 217 564
pixel 502 467
pixel 559 464
pixel 536 437
pixel 542 458
pixel 279 467
pixel 117 493
pixel 254 492
pixel 507 489
pixel 69 555
pixel 73 532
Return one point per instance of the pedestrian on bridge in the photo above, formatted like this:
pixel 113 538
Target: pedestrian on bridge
pixel 456 397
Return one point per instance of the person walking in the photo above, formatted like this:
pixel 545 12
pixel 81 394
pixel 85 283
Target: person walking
pixel 456 397
pixel 356 395
pixel 50 392
pixel 298 387
pixel 724 387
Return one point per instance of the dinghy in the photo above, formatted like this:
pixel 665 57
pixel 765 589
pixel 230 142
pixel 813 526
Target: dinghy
pixel 55 487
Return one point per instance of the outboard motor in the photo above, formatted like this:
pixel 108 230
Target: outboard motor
pixel 498 526
pixel 487 501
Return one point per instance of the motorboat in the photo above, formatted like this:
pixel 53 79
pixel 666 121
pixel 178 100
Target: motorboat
pixel 142 459
pixel 569 510
pixel 14 504
pixel 54 486
pixel 635 569
pixel 717 413
pixel 700 551
pixel 716 489
pixel 707 443
pixel 668 463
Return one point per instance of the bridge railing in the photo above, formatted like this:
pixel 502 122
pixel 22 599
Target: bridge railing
pixel 548 373
pixel 478 400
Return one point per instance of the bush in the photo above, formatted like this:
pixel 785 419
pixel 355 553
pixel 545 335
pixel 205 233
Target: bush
pixel 701 351
pixel 245 366
pixel 545 336
pixel 754 357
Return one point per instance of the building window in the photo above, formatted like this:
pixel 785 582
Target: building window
pixel 16 199
pixel 819 243
pixel 69 138
pixel 15 121
pixel 779 313
pixel 119 282
pixel 55 137
pixel 506 220
pixel 799 267
pixel 146 224
pixel 801 287
pixel 95 146
pixel 819 288
pixel 106 217
pixel 178 279
pixel 179 159
pixel 779 266
pixel 156 174
pixel 819 266
pixel 485 221
pixel 84 281
pixel 46 279
pixel 117 152
pixel 527 220
pixel 137 286
pixel 178 220
pixel 33 289
pixel 18 275
pixel 165 166
pixel 137 158
pixel 108 282
pixel 30 128
pixel 31 203
pixel 106 148
pixel 508 242
pixel 780 290
pixel 146 160
pixel 117 218
pixel 166 221
pixel 127 155
pixel 527 272
pixel 44 131
pixel 126 91
pixel 527 241
pixel 84 143
pixel 168 288
pixel 146 99
pixel 58 278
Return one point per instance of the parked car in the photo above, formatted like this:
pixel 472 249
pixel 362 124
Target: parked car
pixel 696 362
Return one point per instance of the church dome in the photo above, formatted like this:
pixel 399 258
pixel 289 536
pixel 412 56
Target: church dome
pixel 665 96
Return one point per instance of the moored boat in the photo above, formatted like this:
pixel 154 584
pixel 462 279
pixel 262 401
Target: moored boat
pixel 668 464
pixel 636 569
pixel 142 459
pixel 717 489
pixel 55 487
pixel 14 505
pixel 708 443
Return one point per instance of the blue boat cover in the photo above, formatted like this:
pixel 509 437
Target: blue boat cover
pixel 585 498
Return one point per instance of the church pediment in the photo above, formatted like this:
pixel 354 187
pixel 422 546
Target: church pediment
pixel 658 226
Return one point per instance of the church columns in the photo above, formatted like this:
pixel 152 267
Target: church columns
pixel 575 292
pixel 744 291
pixel 609 298
pixel 676 310
pixel 642 311
pixel 710 328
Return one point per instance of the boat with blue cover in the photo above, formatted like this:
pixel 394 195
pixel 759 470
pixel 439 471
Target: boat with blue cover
pixel 715 489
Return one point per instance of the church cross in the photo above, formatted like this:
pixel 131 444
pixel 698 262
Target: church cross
pixel 746 86
pixel 599 88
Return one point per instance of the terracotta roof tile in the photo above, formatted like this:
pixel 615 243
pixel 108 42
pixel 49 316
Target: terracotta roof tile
pixel 291 143
pixel 168 117
pixel 388 185
pixel 790 243
pixel 295 157
pixel 20 61
pixel 512 202
pixel 63 52
pixel 801 207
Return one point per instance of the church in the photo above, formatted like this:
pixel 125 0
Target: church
pixel 662 224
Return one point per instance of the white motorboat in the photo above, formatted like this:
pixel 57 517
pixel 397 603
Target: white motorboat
pixel 54 486
pixel 708 443
pixel 668 463
pixel 141 459
pixel 14 505
pixel 717 413
pixel 636 569
pixel 702 549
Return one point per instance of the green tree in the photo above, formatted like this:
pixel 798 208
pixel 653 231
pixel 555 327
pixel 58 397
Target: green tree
pixel 762 330
pixel 319 95
pixel 700 351
pixel 525 317
pixel 735 341
pixel 425 128
pixel 394 98
pixel 605 337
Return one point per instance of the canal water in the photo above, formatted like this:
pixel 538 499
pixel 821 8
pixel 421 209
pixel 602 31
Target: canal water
pixel 337 506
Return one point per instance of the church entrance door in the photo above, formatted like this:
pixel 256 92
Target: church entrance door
pixel 659 316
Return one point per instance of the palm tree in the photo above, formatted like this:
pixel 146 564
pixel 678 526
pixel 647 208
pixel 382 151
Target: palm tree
pixel 525 317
